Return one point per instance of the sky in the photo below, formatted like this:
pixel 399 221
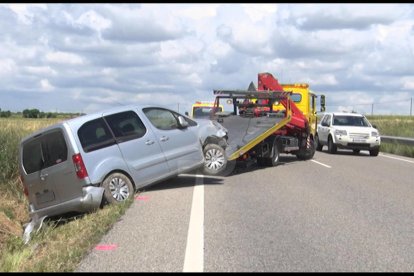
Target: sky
pixel 89 57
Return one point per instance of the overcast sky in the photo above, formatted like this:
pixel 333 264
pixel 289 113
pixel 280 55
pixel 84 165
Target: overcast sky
pixel 87 57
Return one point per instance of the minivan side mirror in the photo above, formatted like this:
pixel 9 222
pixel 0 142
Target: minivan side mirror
pixel 182 123
pixel 325 124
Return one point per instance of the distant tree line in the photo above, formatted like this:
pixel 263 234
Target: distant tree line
pixel 5 114
pixel 36 113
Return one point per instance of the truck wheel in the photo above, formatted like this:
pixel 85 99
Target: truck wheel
pixel 331 146
pixel 274 159
pixel 118 188
pixel 319 146
pixel 306 154
pixel 374 152
pixel 215 161
pixel 261 161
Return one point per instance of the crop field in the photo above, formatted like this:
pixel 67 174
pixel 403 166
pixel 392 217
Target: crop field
pixel 52 252
pixel 401 126
pixel 13 203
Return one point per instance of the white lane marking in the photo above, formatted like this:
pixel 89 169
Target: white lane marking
pixel 322 164
pixel 194 252
pixel 409 161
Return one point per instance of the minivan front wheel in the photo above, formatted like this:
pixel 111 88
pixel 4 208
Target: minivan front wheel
pixel 118 188
pixel 215 160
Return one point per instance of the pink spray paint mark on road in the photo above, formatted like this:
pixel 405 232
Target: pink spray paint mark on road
pixel 106 247
pixel 144 198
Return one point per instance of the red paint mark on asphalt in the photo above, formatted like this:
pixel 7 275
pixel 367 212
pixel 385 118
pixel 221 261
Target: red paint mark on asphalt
pixel 144 198
pixel 106 247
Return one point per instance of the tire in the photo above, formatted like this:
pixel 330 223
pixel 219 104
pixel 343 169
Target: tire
pixel 356 151
pixel 274 159
pixel 331 146
pixel 261 161
pixel 318 146
pixel 118 188
pixel 374 152
pixel 306 154
pixel 215 160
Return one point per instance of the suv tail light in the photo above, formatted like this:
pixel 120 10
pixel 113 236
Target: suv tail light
pixel 79 166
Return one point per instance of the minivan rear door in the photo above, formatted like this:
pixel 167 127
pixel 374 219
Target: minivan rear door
pixel 48 169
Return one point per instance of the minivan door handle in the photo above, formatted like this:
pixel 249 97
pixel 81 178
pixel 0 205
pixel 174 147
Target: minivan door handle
pixel 164 138
pixel 149 142
pixel 43 176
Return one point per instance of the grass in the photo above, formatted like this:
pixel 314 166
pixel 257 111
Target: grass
pixel 59 247
pixel 392 125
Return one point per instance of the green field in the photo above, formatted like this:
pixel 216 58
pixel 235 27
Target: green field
pixel 60 248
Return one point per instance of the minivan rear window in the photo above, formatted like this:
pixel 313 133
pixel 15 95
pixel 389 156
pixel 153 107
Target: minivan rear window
pixel 126 125
pixel 44 151
pixel 95 135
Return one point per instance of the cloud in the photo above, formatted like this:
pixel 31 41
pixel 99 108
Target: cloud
pixel 87 56
pixel 258 12
pixel 45 85
pixel 64 58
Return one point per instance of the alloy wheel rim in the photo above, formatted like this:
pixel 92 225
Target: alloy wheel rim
pixel 214 159
pixel 119 189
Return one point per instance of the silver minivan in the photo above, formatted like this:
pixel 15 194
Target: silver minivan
pixel 77 164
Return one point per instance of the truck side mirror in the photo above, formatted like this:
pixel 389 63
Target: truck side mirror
pixel 322 103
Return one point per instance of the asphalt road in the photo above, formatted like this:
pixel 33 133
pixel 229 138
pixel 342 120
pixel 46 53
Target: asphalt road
pixel 336 213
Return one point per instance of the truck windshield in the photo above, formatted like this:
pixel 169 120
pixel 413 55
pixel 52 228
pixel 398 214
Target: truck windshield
pixel 350 121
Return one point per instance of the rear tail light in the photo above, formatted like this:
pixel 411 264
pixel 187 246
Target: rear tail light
pixel 79 166
pixel 25 191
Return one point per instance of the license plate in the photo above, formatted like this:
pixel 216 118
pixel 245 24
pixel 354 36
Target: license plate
pixel 359 140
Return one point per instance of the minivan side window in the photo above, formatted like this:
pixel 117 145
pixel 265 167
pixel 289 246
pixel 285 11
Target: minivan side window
pixel 161 118
pixel 95 135
pixel 126 126
pixel 44 151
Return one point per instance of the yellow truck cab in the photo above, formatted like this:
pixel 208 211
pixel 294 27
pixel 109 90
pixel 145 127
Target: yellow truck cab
pixel 203 109
pixel 304 99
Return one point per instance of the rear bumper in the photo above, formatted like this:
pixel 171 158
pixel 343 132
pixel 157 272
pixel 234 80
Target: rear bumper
pixel 89 201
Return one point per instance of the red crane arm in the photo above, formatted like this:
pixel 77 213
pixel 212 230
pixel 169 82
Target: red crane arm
pixel 266 81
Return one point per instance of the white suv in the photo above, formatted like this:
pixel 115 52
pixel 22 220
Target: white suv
pixel 347 131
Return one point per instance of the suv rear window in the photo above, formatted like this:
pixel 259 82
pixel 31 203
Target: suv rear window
pixel 95 135
pixel 44 151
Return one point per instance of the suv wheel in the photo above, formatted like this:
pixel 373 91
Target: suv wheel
pixel 118 188
pixel 215 160
pixel 318 143
pixel 356 151
pixel 374 152
pixel 331 146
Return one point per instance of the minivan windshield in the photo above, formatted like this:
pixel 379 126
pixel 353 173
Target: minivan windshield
pixel 343 120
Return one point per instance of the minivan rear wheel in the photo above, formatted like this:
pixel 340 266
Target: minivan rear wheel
pixel 118 188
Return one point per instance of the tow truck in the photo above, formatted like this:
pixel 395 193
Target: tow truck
pixel 272 119
pixel 202 109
